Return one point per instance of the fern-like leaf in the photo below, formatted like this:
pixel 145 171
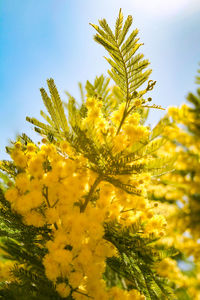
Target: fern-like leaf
pixel 126 68
pixel 59 110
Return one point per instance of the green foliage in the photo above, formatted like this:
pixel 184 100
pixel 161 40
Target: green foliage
pixel 135 264
pixel 127 68
pixel 23 244
pixel 58 122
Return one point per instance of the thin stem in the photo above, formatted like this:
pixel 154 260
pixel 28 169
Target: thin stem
pixel 126 113
pixel 153 106
pixel 122 121
pixel 123 211
pixel 127 89
pixel 79 292
pixel 46 196
pixel 48 204
pixel 89 196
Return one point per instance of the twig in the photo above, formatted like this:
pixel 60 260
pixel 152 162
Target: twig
pixel 89 196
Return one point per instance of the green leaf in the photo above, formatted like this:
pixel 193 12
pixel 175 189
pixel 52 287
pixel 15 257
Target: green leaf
pixel 119 24
pixel 58 105
pixel 125 29
pixel 126 68
pixel 48 103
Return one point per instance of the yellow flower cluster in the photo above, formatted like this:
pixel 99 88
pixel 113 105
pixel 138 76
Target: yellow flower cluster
pixel 104 129
pixel 52 188
pixel 169 268
pixel 48 189
pixel 5 271
pixel 181 189
pixel 186 185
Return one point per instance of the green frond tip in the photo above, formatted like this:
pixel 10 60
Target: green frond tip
pixel 50 108
pixel 125 29
pixel 119 24
pixel 58 105
pixel 81 92
pixel 46 117
pixel 57 121
pixel 198 77
pixel 127 67
pixel 100 88
pixel 38 123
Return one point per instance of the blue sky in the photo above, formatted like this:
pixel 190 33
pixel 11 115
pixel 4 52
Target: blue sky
pixel 52 38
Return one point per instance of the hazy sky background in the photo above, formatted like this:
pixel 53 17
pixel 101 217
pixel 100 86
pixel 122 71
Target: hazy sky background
pixel 52 38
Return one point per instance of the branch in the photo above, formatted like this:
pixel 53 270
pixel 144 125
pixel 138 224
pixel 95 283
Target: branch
pixel 89 196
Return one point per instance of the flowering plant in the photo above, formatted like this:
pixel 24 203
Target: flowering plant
pixel 76 220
